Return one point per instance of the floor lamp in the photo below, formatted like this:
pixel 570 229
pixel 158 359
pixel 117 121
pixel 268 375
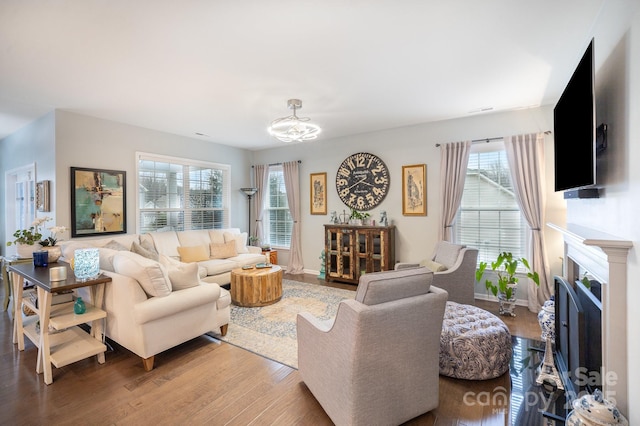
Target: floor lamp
pixel 249 193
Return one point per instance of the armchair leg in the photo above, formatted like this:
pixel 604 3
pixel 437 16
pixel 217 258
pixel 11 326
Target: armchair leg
pixel 223 329
pixel 148 363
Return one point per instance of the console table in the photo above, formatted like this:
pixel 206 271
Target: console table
pixel 58 339
pixel 353 250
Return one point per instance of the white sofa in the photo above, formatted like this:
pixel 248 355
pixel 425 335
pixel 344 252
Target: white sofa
pixel 155 305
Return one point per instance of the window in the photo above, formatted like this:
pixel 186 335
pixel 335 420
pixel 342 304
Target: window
pixel 20 207
pixel 489 217
pixel 180 194
pixel 279 223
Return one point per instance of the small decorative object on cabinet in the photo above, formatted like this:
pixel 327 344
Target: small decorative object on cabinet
pixel 351 251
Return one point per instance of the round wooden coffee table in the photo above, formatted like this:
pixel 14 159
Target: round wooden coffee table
pixel 256 287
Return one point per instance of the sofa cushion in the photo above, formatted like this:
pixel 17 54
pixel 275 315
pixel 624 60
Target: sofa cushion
pixel 223 251
pixel 125 240
pixel 381 287
pixel 216 236
pixel 447 253
pixel 151 275
pixel 248 259
pixel 240 240
pixel 194 237
pixel 183 276
pixel 218 266
pixel 166 243
pixel 193 253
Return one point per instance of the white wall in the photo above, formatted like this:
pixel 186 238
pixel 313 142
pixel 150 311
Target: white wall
pixel 415 236
pixel 617 51
pixel 62 139
pixel 33 143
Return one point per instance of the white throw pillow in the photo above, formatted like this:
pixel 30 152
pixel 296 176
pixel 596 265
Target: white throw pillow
pixel 181 275
pixel 151 275
pixel 240 239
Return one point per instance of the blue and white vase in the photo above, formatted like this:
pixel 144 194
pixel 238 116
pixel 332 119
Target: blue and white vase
pixel 547 320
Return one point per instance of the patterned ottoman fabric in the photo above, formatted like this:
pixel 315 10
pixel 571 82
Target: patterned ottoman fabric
pixel 474 344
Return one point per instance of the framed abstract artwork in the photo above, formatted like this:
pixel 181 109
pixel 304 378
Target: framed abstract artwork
pixel 98 202
pixel 318 191
pixel 414 190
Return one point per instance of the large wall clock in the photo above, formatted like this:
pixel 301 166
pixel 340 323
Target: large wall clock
pixel 362 181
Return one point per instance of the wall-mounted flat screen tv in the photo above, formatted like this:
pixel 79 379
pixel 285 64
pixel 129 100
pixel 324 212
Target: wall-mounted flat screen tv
pixel 575 130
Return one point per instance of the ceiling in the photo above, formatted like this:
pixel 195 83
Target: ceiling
pixel 225 69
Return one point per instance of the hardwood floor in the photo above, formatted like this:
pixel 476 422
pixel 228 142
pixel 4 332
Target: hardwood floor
pixel 205 381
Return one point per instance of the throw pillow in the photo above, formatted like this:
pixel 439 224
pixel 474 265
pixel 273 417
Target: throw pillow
pixel 434 266
pixel 114 245
pixel 223 251
pixel 106 258
pixel 151 275
pixel 447 253
pixel 170 262
pixel 142 251
pixel 184 276
pixel 240 240
pixel 193 254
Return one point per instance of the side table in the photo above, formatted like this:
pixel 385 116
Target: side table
pixel 6 279
pixel 273 256
pixel 57 337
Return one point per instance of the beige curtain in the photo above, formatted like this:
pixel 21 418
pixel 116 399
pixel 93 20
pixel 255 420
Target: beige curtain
pixel 261 178
pixel 453 171
pixel 525 154
pixel 292 184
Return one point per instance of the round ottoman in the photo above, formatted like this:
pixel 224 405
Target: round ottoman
pixel 474 344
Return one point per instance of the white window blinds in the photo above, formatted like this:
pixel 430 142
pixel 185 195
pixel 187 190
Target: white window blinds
pixel 489 217
pixel 181 194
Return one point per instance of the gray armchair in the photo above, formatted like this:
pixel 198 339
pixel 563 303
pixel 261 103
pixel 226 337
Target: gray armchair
pixel 454 268
pixel 377 362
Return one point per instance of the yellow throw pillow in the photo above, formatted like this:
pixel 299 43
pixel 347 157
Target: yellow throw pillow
pixel 193 254
pixel 223 251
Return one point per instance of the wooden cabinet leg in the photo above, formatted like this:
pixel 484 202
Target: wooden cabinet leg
pixel 148 363
pixel 223 329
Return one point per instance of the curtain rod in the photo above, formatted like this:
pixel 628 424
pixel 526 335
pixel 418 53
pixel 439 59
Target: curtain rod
pixel 278 164
pixel 487 140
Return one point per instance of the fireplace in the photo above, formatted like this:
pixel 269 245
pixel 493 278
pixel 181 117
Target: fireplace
pixel 605 258
pixel 578 336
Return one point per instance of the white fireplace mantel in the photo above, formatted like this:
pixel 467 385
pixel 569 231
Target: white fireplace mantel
pixel 604 256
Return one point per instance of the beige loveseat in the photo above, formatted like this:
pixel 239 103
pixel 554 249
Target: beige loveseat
pixel 153 305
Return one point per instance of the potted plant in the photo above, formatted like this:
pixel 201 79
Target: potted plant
pixel 27 240
pixel 254 241
pixel 358 218
pixel 504 289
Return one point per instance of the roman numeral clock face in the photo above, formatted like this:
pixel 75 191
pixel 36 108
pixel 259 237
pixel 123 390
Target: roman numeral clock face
pixel 362 181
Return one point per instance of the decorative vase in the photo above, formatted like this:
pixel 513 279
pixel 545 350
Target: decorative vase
pixel 508 305
pixel 25 251
pixel 79 307
pixel 86 263
pixel 547 320
pixel 54 253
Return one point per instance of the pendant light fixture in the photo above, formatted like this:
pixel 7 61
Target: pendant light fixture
pixel 294 128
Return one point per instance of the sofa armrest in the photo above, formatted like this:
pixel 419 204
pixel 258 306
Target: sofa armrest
pixel 254 250
pixel 401 265
pixel 178 301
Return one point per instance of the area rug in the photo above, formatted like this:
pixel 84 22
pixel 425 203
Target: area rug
pixel 270 331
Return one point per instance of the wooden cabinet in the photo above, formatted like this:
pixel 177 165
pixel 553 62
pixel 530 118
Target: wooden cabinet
pixel 351 251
